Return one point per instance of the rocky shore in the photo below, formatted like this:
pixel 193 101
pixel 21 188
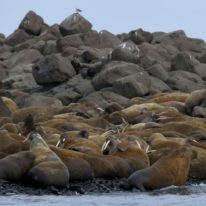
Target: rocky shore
pixel 86 96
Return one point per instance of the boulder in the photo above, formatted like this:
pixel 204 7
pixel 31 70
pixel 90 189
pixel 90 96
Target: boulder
pixel 74 24
pixel 108 40
pixel 3 71
pixel 158 86
pixel 32 23
pixel 39 101
pixel 23 57
pixel 17 37
pixel 139 36
pixel 5 52
pixel 4 111
pixel 134 85
pixel 113 71
pixel 185 61
pixel 126 51
pixel 158 71
pixel 184 81
pixel 52 69
pixel 199 111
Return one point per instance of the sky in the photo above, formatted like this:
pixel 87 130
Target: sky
pixel 116 16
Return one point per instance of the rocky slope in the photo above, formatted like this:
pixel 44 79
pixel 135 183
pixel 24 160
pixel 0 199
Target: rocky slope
pixel 72 62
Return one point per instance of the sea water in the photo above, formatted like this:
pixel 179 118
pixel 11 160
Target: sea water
pixel 172 196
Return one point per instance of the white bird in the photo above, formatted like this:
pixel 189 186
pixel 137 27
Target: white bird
pixel 78 10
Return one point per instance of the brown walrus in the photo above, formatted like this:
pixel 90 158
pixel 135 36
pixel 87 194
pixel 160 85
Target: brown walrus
pixel 48 167
pixel 13 167
pixel 169 170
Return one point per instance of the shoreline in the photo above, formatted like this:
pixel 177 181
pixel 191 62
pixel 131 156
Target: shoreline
pixel 95 186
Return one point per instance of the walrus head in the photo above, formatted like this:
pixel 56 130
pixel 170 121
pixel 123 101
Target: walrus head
pixel 110 145
pixel 36 140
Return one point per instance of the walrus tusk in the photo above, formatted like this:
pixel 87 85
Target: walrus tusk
pixel 104 146
pixel 58 143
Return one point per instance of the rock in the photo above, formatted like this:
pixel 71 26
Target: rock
pixel 51 33
pixel 23 57
pixel 185 61
pixel 103 98
pixel 126 51
pixel 196 98
pixel 74 24
pixel 68 96
pixel 202 58
pixel 24 81
pixel 158 71
pixel 3 71
pixel 158 86
pixel 78 85
pixel 108 40
pixel 52 69
pixel 181 41
pixel 39 101
pixel 139 36
pixel 31 23
pixel 112 72
pixel 4 111
pixel 17 37
pixel 5 52
pixel 199 111
pixel 153 54
pixel 135 85
pixel 184 81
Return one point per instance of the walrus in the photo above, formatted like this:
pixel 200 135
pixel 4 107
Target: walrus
pixel 13 167
pixel 48 168
pixel 171 169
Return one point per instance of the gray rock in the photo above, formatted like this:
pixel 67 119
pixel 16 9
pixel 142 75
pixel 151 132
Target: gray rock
pixel 39 100
pixel 4 111
pixel 126 51
pixel 78 85
pixel 17 37
pixel 135 85
pixel 68 96
pixel 158 71
pixel 23 81
pixel 3 71
pixel 108 40
pixel 199 111
pixel 153 54
pixel 31 23
pixel 202 58
pixel 52 69
pixel 112 72
pixel 74 24
pixel 5 52
pixel 139 36
pixel 104 97
pixel 184 81
pixel 158 86
pixel 23 57
pixel 185 61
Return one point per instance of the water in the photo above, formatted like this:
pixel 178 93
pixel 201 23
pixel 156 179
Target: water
pixel 181 196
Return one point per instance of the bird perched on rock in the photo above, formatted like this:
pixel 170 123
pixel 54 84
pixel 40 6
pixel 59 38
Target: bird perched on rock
pixel 78 10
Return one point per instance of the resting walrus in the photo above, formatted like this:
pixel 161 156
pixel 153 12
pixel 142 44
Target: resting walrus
pixel 169 170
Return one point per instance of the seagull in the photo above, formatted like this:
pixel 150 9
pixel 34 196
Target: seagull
pixel 78 10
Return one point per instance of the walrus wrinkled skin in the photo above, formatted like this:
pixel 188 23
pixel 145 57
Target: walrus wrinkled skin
pixel 169 170
pixel 13 167
pixel 48 167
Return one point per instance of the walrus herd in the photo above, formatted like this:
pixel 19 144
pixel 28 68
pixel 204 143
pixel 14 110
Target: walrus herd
pixel 154 145
pixel 78 105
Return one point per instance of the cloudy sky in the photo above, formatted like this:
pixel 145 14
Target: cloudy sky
pixel 116 16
